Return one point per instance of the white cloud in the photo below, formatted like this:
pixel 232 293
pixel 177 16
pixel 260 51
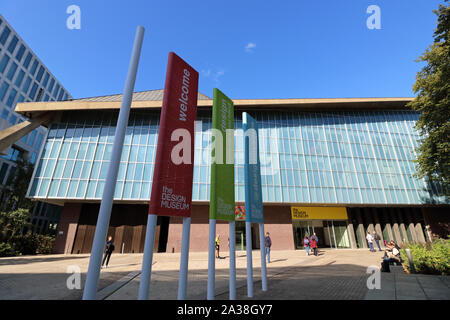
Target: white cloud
pixel 213 74
pixel 250 46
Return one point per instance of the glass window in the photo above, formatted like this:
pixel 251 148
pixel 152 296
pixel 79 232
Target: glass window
pixel 5 114
pixel 26 85
pixel 55 92
pixel 27 61
pixel 13 44
pixel 34 67
pixel 3 89
pixel 50 86
pixel 32 138
pixel 33 91
pixel 4 36
pixel 45 82
pixel 4 63
pixel 20 52
pixel 19 78
pixel 61 94
pixel 40 73
pixel 12 97
pixel 3 171
pixel 12 71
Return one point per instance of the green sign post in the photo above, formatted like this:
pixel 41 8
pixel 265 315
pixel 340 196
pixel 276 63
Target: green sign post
pixel 222 185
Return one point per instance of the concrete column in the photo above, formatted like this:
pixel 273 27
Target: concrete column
pixel 387 218
pixel 378 224
pixel 395 228
pixel 351 230
pixel 410 222
pixel 402 225
pixel 361 228
pixel 422 238
pixel 369 220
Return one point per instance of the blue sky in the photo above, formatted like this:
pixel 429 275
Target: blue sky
pixel 248 49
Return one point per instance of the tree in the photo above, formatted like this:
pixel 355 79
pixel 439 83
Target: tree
pixel 432 87
pixel 14 193
pixel 13 223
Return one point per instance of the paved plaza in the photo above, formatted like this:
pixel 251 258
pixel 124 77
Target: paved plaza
pixel 333 275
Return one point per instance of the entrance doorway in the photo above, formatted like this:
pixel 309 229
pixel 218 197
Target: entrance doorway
pixel 331 233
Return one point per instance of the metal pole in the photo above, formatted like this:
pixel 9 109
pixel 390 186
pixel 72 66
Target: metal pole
pixel 211 260
pixel 263 257
pixel 410 259
pixel 148 257
pixel 184 260
pixel 232 234
pixel 90 288
pixel 248 234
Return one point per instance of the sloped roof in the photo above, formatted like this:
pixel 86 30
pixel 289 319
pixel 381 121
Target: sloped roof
pixel 149 95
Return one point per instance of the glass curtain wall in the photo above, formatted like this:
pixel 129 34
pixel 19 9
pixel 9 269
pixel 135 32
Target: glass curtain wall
pixel 306 157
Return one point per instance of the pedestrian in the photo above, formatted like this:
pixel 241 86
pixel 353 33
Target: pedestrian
pixel 314 244
pixel 306 244
pixel 267 245
pixel 370 241
pixel 377 239
pixel 109 248
pixel 217 247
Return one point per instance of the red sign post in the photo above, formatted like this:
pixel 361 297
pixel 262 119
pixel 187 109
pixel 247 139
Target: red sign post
pixel 174 164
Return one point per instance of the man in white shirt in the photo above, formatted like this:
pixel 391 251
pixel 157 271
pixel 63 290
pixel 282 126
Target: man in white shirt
pixel 370 241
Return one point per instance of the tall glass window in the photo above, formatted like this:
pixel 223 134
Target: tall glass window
pixel 27 61
pixel 12 71
pixel 20 53
pixel 5 34
pixel 4 63
pixel 11 98
pixel 34 67
pixel 19 78
pixel 40 74
pixel 13 44
pixel 3 89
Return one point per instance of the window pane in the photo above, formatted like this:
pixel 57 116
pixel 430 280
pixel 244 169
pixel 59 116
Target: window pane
pixel 20 53
pixel 4 63
pixel 12 71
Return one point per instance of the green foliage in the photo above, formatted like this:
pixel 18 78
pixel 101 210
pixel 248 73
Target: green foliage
pixel 6 250
pixel 432 258
pixel 13 222
pixel 26 244
pixel 433 101
pixel 45 244
pixel 14 195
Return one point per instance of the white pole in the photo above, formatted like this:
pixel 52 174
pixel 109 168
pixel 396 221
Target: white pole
pixel 184 260
pixel 232 235
pixel 211 260
pixel 148 257
pixel 248 234
pixel 104 215
pixel 263 257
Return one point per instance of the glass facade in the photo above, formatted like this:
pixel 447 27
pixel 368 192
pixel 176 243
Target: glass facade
pixel 363 157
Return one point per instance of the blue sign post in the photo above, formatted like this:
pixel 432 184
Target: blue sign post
pixel 253 198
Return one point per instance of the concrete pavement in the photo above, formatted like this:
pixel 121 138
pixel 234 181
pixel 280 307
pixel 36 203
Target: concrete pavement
pixel 333 275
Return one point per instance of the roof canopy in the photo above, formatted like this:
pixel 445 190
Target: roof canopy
pixel 152 99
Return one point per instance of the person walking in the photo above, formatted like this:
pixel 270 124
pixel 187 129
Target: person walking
pixel 369 238
pixel 306 244
pixel 314 244
pixel 267 245
pixel 109 248
pixel 217 247
pixel 377 239
pixel 317 242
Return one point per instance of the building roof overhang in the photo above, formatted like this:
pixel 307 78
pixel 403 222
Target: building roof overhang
pixel 33 109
